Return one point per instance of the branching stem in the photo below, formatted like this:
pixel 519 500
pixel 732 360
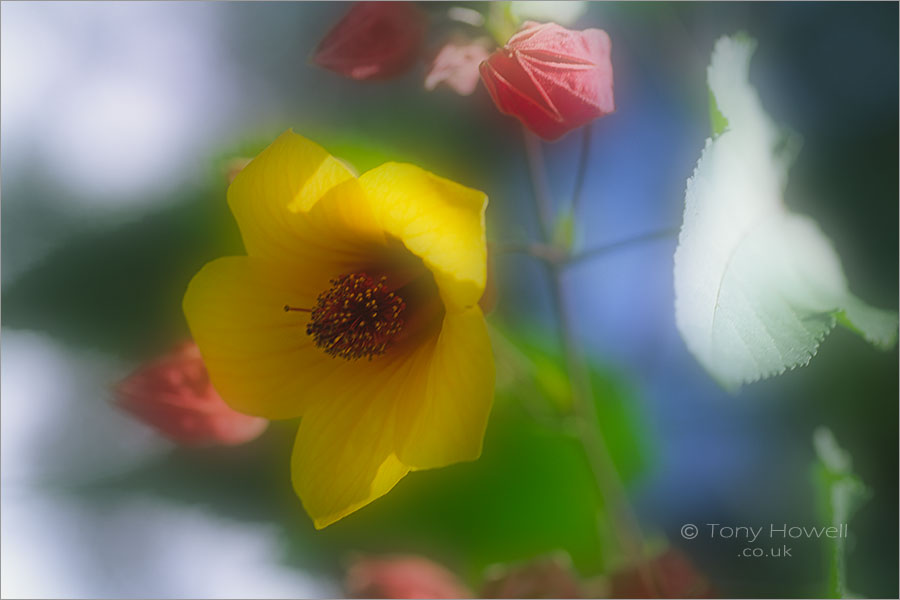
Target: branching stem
pixel 609 484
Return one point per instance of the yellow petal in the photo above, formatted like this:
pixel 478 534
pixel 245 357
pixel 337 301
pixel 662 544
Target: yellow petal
pixel 340 230
pixel 446 419
pixel 420 409
pixel 344 454
pixel 259 357
pixel 270 194
pixel 439 221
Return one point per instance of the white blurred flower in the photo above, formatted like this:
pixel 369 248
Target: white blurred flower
pixel 564 12
pixel 113 101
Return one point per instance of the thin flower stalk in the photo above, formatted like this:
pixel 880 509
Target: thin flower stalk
pixel 609 484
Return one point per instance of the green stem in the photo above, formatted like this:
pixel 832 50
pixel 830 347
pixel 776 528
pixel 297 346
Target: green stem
pixel 603 469
pixel 557 255
pixel 602 466
pixel 583 160
pixel 621 244
pixel 535 157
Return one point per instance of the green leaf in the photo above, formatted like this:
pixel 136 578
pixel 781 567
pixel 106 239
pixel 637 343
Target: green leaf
pixel 840 494
pixel 532 373
pixel 757 288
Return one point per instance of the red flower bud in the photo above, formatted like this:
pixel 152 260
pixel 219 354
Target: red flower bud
pixel 551 78
pixel 375 40
pixel 402 577
pixel 173 395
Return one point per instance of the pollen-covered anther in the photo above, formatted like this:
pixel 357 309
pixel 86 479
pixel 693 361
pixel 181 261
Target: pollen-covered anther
pixel 358 316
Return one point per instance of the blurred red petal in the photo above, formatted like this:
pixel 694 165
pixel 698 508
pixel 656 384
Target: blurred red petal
pixel 402 576
pixel 551 78
pixel 173 395
pixel 375 40
pixel 673 576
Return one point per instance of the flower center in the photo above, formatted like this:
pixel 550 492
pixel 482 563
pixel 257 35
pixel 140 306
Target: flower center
pixel 358 316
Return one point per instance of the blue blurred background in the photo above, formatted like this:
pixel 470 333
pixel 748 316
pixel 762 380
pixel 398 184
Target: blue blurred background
pixel 117 120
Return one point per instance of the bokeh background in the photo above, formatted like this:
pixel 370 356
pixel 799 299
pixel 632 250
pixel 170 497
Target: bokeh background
pixel 118 121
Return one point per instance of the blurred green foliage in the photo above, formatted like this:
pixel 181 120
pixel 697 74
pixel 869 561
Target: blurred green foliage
pixel 120 290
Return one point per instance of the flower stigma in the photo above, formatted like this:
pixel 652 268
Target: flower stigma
pixel 358 316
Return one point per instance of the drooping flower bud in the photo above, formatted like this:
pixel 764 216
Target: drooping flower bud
pixel 173 395
pixel 402 576
pixel 456 65
pixel 375 40
pixel 551 78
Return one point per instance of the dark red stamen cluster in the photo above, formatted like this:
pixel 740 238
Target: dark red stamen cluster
pixel 356 317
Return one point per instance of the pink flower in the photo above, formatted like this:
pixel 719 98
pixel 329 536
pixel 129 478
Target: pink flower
pixel 173 395
pixel 375 40
pixel 402 576
pixel 551 78
pixel 456 65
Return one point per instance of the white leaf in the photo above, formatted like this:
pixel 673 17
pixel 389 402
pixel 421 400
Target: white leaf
pixel 757 288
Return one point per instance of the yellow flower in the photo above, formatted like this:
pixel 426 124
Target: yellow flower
pixel 355 309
